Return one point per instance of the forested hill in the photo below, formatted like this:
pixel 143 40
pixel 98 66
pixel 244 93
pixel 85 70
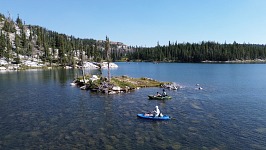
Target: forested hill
pixel 20 41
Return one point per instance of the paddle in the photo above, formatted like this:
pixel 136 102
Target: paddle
pixel 172 118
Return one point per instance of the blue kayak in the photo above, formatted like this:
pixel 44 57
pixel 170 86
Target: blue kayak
pixel 164 117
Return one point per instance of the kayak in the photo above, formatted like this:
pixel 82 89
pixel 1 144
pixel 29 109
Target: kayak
pixel 145 116
pixel 159 97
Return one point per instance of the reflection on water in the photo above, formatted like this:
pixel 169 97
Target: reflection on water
pixel 39 110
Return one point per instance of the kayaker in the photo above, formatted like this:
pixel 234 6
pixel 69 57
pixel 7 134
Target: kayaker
pixel 164 93
pixel 158 94
pixel 156 111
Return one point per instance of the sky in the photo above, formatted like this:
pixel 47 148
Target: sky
pixel 147 22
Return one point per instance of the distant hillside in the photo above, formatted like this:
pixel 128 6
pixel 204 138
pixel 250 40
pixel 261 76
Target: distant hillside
pixel 20 41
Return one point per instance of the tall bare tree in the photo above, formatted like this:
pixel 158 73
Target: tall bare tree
pixel 107 51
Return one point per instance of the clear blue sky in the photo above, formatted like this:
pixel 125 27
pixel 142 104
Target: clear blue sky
pixel 146 22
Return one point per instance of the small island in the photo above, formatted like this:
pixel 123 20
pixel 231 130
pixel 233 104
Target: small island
pixel 96 83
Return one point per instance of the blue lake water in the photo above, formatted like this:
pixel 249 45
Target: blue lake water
pixel 40 110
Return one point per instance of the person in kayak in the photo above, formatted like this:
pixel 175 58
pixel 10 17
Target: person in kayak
pixel 158 94
pixel 156 111
pixel 164 93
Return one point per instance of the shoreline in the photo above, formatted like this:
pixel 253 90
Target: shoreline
pixel 257 61
pixel 19 67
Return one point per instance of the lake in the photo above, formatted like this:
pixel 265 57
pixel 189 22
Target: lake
pixel 40 110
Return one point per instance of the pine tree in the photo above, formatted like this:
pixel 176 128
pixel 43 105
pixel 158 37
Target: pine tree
pixel 19 22
pixel 2 44
pixel 8 48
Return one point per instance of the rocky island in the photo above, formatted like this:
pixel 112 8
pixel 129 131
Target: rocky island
pixel 116 84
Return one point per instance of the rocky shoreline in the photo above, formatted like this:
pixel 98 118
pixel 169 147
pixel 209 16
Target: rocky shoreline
pixel 238 61
pixel 38 64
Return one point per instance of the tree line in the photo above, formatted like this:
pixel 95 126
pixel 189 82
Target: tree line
pixel 198 52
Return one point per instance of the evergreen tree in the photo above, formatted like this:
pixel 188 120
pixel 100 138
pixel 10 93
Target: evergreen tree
pixel 19 22
pixel 8 52
pixel 2 44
